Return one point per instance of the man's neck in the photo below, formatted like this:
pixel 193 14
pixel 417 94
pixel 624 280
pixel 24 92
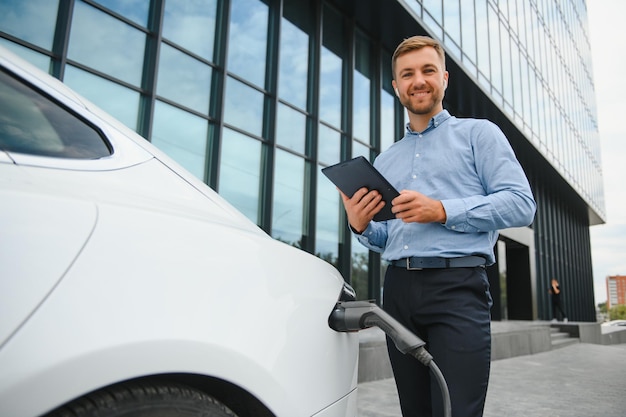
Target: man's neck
pixel 419 122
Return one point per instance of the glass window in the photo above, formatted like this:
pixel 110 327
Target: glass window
pixel 435 9
pixel 482 34
pixel 136 10
pixel 120 102
pixel 516 81
pixel 496 52
pixel 387 105
pixel 329 208
pixel 294 64
pixel 184 79
pixel 191 24
pixel 360 269
pixel 330 88
pixel 248 40
pixel 33 21
pixel 243 107
pixel 432 16
pixel 288 204
pixel 358 149
pixel 182 136
pixel 331 68
pixel 106 44
pixel 452 25
pixel 39 60
pixel 387 119
pixel 240 172
pixel 31 123
pixel 468 30
pixel 362 90
pixel 328 145
pixel 290 128
pixel 507 81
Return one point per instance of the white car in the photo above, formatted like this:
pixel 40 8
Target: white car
pixel 127 285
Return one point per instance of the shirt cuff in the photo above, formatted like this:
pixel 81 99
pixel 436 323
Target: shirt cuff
pixel 455 214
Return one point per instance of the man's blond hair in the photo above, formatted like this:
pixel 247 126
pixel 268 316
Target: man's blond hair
pixel 414 43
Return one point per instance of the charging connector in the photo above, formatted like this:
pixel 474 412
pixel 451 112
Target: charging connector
pixel 352 316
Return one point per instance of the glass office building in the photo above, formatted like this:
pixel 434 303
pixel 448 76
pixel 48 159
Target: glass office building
pixel 256 96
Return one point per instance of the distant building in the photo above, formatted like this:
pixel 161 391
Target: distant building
pixel 615 290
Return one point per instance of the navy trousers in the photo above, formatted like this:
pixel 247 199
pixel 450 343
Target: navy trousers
pixel 450 310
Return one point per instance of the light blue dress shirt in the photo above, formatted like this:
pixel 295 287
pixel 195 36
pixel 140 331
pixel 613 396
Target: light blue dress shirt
pixel 469 165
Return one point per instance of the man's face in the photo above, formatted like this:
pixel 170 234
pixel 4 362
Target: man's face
pixel 421 81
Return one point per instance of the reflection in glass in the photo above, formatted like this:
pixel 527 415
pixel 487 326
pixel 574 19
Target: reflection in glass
pixel 387 105
pixel 120 102
pixel 243 107
pixel 496 52
pixel 106 44
pixel 33 20
pixel 248 40
pixel 331 67
pixel 135 10
pixel 287 211
pixel 468 30
pixel 452 27
pixel 360 269
pixel 330 88
pixel 39 60
pixel 507 81
pixel 387 120
pixel 362 90
pixel 294 64
pixel 184 79
pixel 358 149
pixel 435 9
pixel 182 136
pixel 191 24
pixel 327 219
pixel 290 128
pixel 482 37
pixel 328 145
pixel 240 172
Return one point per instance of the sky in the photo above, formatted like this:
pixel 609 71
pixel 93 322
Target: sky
pixel 607 33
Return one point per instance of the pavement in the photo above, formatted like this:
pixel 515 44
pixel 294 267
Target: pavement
pixel 580 380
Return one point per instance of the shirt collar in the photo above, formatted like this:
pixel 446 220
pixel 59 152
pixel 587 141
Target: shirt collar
pixel 437 119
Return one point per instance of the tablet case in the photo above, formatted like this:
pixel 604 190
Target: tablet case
pixel 349 176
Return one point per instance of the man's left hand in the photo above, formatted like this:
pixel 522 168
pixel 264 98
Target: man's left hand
pixel 414 207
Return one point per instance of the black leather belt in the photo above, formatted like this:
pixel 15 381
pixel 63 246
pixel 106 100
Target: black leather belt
pixel 417 263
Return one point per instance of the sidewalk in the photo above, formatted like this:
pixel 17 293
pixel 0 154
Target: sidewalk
pixel 581 380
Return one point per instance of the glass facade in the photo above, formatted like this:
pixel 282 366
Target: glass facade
pixel 254 97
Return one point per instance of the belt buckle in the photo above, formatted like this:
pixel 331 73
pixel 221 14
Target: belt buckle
pixel 408 266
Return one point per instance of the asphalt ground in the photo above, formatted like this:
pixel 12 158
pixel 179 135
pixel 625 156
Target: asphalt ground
pixel 580 380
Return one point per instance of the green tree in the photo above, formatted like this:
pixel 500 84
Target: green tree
pixel 602 307
pixel 618 312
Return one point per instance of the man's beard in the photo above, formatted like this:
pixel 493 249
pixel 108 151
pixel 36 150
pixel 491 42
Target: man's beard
pixel 426 107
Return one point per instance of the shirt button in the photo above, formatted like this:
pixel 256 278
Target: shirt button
pixel 452 227
pixel 414 176
pixel 420 135
pixel 406 246
pixel 417 155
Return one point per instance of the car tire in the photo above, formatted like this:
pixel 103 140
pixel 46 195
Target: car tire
pixel 145 400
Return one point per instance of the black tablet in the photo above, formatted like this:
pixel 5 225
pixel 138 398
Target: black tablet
pixel 349 176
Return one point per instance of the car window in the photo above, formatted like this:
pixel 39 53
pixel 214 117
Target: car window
pixel 34 124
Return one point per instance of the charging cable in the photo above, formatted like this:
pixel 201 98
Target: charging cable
pixel 352 316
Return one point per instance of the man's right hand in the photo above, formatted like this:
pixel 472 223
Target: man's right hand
pixel 362 207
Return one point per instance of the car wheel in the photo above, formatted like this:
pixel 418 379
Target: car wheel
pixel 145 400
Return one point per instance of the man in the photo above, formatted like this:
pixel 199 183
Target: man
pixel 460 183
pixel 555 296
